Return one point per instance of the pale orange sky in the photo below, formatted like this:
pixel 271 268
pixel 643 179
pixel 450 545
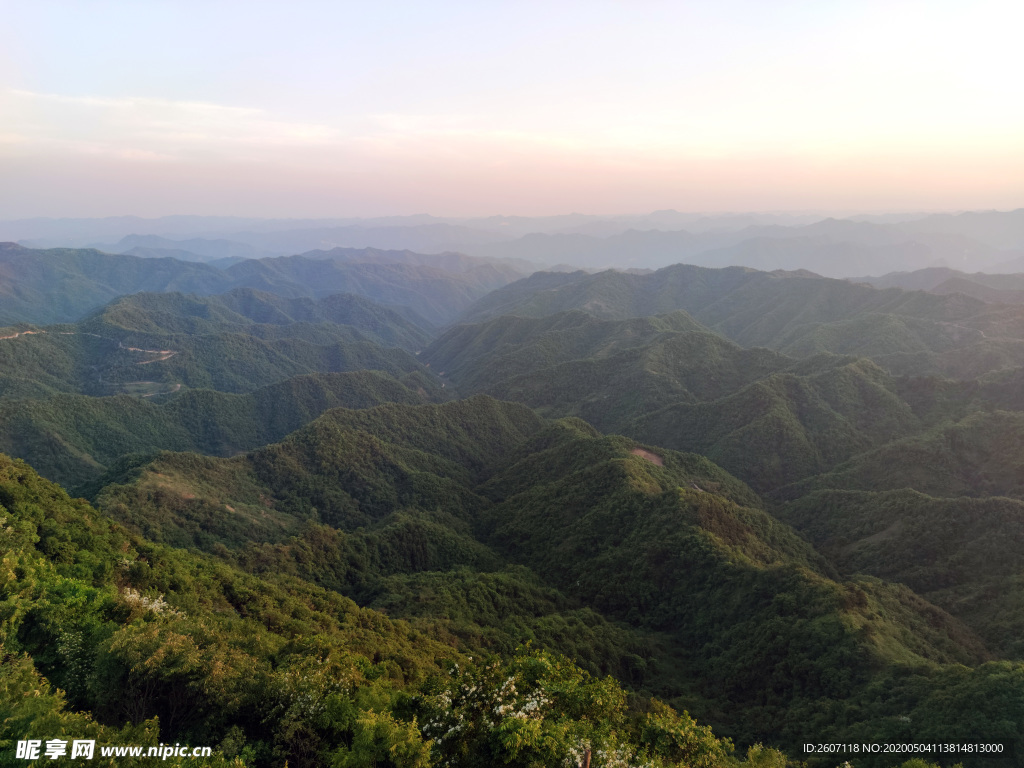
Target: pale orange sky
pixel 599 107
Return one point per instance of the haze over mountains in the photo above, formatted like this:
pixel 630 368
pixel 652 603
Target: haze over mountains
pixel 62 285
pixel 376 504
pixel 832 247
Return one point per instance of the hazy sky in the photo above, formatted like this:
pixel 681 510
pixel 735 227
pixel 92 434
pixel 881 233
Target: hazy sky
pixel 474 108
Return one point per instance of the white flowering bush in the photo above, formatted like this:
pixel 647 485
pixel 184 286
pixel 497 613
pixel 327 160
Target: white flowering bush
pixel 155 604
pixel 541 710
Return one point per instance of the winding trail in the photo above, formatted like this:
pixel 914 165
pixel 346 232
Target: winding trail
pixel 161 354
pixel 21 333
pixel 164 354
pixel 170 391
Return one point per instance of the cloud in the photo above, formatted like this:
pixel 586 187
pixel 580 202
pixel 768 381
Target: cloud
pixel 148 128
pixel 115 154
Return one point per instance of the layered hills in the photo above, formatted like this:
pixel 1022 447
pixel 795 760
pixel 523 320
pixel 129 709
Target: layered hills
pixel 874 466
pixel 261 314
pixel 767 417
pixel 796 313
pixel 991 288
pixel 833 247
pixel 73 438
pixel 401 500
pixel 155 344
pixel 214 374
pixel 112 638
pixel 786 504
pixel 867 244
pixel 606 371
pixel 62 285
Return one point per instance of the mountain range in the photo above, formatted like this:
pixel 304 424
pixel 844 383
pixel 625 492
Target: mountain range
pixel 364 507
pixel 63 285
pixel 836 247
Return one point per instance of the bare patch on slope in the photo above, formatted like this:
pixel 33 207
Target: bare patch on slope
pixel 651 457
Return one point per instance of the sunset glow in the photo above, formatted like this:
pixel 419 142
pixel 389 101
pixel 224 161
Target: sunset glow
pixel 162 108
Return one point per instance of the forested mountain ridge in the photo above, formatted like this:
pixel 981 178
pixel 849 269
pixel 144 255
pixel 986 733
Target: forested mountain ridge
pixel 796 313
pixel 713 296
pixel 993 288
pixel 805 426
pixel 475 356
pixel 73 438
pixel 962 554
pixel 272 669
pixel 62 285
pixel 245 310
pixel 610 513
pixel 374 503
pixel 214 374
pixel 769 418
pixel 48 361
pixel 981 454
pixel 434 294
pixel 155 344
pixel 606 371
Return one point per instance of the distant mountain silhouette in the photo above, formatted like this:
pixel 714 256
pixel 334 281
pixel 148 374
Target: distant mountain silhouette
pixel 64 284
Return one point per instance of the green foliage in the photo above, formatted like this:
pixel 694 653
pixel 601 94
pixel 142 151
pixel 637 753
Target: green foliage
pixel 981 454
pixel 656 566
pixel 797 313
pixel 787 426
pixel 607 372
pixel 148 634
pixel 244 310
pixel 768 418
pixel 962 554
pixel 273 669
pixel 538 709
pixel 379 740
pixel 70 359
pixel 73 438
pixel 436 295
pixel 61 285
pixel 361 587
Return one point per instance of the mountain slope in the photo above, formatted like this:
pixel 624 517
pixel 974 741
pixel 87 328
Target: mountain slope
pixel 376 502
pixel 963 554
pixel 478 355
pixel 72 438
pixel 40 362
pixel 153 344
pixel 607 372
pixel 62 284
pixel 766 417
pixel 113 638
pixel 787 426
pixel 796 313
pixel 436 295
pixel 244 310
pixel 979 455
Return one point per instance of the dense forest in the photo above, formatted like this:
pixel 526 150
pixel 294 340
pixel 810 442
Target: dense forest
pixel 369 508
